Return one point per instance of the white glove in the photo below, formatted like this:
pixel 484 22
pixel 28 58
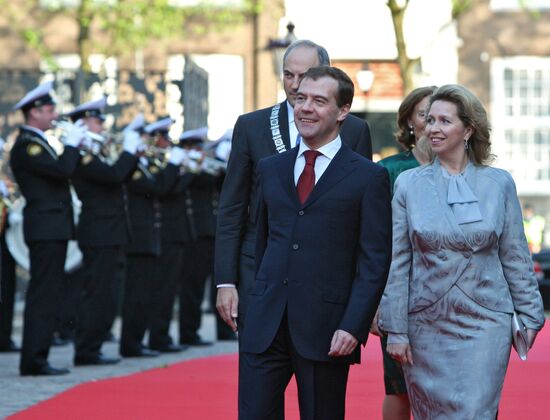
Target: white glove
pixel 131 142
pixel 4 189
pixel 75 134
pixel 177 154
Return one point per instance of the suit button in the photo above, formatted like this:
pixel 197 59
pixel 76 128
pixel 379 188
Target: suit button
pixel 295 246
pixel 285 282
pixel 301 212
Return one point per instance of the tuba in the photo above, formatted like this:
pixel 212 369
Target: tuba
pixel 16 242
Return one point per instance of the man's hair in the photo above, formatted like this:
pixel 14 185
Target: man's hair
pixel 344 94
pixel 322 54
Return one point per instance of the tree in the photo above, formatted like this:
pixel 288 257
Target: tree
pixel 406 63
pixel 119 27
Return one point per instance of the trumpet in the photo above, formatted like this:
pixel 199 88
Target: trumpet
pixel 63 125
pixel 197 161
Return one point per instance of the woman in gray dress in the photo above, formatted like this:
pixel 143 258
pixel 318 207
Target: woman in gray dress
pixel 460 268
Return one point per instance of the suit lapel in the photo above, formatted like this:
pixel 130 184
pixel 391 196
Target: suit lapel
pixel 340 166
pixel 286 175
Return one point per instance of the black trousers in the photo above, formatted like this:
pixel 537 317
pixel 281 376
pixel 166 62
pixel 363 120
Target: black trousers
pixel 264 377
pixel 99 297
pixel 141 272
pixel 165 288
pixel 47 262
pixel 7 294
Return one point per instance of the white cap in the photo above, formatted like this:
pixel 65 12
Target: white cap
pixel 197 134
pixel 160 125
pixel 89 109
pixel 39 96
pixel 137 123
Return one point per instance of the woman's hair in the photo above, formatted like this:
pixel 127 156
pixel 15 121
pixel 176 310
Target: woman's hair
pixel 404 114
pixel 472 114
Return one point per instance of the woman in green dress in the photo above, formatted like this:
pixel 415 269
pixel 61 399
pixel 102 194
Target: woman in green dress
pixel 410 135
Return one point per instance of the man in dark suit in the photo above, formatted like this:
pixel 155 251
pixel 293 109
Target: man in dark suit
pixel 323 254
pixel 257 135
pixel 102 232
pixel 43 178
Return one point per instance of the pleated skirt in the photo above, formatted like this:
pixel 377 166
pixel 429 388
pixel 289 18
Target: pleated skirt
pixel 460 354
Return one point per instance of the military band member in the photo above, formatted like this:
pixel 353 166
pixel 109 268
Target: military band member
pixel 147 184
pixel 175 237
pixel 102 232
pixel 43 179
pixel 202 203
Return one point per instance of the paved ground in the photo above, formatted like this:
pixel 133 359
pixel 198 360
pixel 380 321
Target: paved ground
pixel 17 393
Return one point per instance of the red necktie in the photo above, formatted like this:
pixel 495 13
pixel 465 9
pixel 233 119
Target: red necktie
pixel 306 182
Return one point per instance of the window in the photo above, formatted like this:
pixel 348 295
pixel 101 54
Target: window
pixel 520 111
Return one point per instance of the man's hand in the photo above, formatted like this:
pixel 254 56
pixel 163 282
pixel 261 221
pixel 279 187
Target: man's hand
pixel 342 344
pixel 400 352
pixel 227 304
pixel 374 326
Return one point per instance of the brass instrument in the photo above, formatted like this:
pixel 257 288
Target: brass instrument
pixel 97 140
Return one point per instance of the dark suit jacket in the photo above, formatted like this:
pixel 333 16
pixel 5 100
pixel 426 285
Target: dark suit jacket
pixel 43 178
pixel 99 185
pixel 252 141
pixel 146 186
pixel 324 262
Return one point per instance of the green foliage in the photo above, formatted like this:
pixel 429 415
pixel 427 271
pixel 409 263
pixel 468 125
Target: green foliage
pixel 126 25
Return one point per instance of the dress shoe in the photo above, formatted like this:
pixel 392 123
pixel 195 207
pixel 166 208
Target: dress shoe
pixel 196 342
pixel 44 371
pixel 144 352
pixel 97 361
pixel 171 348
pixel 10 348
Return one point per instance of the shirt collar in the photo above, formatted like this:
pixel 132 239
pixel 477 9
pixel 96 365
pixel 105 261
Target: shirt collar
pixel 329 150
pixel 35 130
pixel 290 113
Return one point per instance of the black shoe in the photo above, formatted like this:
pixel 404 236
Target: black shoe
pixel 144 352
pixel 10 348
pixel 196 342
pixel 171 348
pixel 45 371
pixel 97 361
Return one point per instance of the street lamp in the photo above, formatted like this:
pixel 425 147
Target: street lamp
pixel 278 47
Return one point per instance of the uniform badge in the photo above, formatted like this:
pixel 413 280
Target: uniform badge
pixel 34 149
pixel 87 159
pixel 154 169
pixel 137 175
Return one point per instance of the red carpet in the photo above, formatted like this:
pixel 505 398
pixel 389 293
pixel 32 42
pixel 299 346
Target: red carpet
pixel 206 389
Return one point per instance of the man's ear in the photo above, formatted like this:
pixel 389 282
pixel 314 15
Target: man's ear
pixel 343 113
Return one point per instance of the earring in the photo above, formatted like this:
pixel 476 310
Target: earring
pixel 466 144
pixel 411 131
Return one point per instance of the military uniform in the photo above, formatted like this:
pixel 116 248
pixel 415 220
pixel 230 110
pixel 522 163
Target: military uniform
pixel 175 235
pixel 102 233
pixel 148 182
pixel 202 203
pixel 43 179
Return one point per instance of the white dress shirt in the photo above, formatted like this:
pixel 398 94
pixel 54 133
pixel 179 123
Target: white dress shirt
pixel 292 129
pixel 328 151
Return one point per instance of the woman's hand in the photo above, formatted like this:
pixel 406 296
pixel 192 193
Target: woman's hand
pixel 374 326
pixel 400 352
